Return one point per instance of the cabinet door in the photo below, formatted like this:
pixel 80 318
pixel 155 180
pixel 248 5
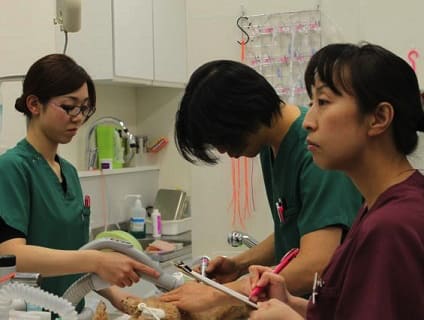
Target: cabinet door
pixel 133 39
pixel 91 47
pixel 170 41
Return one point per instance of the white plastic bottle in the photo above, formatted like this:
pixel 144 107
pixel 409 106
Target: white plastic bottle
pixel 138 217
pixel 156 224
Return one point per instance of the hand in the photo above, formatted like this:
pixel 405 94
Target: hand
pixel 121 270
pixel 274 285
pixel 192 297
pixel 221 269
pixel 274 310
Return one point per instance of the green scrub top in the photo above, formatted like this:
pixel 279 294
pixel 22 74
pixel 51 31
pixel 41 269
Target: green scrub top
pixel 311 198
pixel 33 201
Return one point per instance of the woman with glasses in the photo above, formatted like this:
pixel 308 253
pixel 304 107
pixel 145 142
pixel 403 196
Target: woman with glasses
pixel 365 113
pixel 43 220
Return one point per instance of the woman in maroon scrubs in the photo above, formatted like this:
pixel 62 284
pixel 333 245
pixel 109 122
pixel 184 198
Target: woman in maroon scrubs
pixel 364 117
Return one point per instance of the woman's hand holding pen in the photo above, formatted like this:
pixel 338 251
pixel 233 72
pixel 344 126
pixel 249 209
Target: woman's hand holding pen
pixel 273 284
pixel 278 304
pixel 119 269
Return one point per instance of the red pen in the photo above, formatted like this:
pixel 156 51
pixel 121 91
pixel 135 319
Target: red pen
pixel 285 260
pixel 87 201
pixel 280 210
pixel 87 204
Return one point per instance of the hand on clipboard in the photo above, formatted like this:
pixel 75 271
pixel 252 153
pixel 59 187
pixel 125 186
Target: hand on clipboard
pixel 188 271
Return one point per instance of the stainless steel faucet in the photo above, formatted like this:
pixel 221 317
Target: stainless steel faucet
pixel 131 141
pixel 237 238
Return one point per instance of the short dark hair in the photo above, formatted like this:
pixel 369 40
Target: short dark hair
pixel 223 102
pixel 51 76
pixel 372 75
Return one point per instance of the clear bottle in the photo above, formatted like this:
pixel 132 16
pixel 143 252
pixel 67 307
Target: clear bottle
pixel 156 224
pixel 138 217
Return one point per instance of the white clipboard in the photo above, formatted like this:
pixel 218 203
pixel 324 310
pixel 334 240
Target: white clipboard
pixel 216 285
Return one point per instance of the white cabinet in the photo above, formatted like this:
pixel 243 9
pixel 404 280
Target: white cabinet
pixel 170 44
pixel 132 41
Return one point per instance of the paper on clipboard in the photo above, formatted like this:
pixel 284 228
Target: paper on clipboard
pixel 217 285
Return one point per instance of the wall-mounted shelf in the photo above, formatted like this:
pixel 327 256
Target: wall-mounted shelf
pixel 96 173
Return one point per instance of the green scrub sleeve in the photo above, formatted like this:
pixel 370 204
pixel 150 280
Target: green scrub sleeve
pixel 14 194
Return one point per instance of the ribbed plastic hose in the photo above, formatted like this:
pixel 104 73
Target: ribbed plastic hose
pixel 38 297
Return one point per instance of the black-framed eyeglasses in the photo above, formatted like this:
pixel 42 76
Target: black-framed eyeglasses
pixel 73 111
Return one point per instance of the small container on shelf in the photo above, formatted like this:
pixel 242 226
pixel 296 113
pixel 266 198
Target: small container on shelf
pixel 156 224
pixel 171 227
pixel 138 217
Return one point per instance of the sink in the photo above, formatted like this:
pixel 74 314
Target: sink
pixel 184 238
pixel 168 255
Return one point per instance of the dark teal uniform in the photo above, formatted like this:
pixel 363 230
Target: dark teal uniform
pixel 310 198
pixel 33 201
